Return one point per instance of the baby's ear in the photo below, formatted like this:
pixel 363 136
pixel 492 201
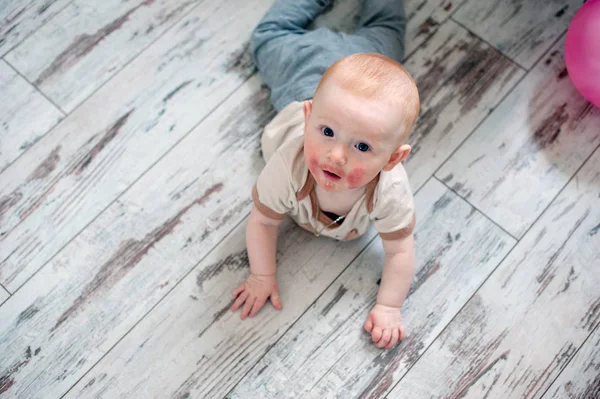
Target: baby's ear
pixel 307 110
pixel 397 156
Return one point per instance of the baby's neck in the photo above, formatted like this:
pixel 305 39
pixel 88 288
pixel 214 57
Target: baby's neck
pixel 339 203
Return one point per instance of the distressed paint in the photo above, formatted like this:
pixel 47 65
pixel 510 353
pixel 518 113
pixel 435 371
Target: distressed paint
pixel 424 18
pixel 525 152
pixel 85 46
pixel 521 329
pixel 203 347
pixel 18 19
pixel 523 30
pixel 130 123
pixel 327 354
pixel 460 79
pixel 103 282
pixel 106 280
pixel 18 129
pixel 581 377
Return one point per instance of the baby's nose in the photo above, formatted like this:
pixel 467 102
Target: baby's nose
pixel 338 155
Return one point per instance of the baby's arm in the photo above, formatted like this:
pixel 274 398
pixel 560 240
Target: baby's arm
pixel 261 241
pixel 385 321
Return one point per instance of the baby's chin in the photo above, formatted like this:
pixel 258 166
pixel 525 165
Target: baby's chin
pixel 332 187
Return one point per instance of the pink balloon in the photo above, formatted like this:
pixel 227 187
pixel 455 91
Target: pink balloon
pixel 582 51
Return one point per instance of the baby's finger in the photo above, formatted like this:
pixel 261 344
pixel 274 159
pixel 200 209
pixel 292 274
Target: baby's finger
pixel 258 304
pixel 369 324
pixel 376 333
pixel 239 301
pixel 394 340
pixel 276 301
pixel 248 306
pixel 240 288
pixel 402 333
pixel 385 338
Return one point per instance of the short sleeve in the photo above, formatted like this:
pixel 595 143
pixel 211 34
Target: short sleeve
pixel 393 212
pixel 273 193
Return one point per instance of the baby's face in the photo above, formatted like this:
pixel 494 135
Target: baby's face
pixel 348 139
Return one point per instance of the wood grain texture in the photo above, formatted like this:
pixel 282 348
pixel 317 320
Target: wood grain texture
pixel 73 173
pixel 519 331
pixel 581 378
pixel 424 18
pixel 20 18
pixel 522 29
pixel 193 346
pixel 75 309
pixel 25 116
pixel 527 149
pixel 328 354
pixel 460 80
pixel 86 44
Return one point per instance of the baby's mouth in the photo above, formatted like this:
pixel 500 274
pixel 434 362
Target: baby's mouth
pixel 331 175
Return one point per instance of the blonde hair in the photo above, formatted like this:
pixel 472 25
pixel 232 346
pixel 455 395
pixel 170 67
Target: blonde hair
pixel 375 76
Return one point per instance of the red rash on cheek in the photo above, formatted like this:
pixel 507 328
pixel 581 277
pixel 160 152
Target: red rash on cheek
pixel 311 156
pixel 355 177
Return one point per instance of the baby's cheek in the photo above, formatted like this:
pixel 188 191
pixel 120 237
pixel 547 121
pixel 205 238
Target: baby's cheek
pixel 311 155
pixel 356 177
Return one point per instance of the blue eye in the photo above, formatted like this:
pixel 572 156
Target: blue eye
pixel 363 147
pixel 327 131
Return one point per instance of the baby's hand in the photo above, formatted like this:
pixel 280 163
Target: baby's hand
pixel 384 323
pixel 254 293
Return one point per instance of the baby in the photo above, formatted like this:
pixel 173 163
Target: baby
pixel 346 107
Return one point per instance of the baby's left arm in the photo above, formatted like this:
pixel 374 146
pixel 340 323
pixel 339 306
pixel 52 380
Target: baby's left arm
pixel 385 321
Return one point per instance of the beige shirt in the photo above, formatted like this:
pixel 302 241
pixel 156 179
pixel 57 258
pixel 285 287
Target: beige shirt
pixel 285 186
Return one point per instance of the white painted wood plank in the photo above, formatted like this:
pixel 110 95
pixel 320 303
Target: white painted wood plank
pixel 25 116
pixel 460 80
pixel 192 345
pixel 424 18
pixel 20 18
pixel 581 377
pixel 88 43
pixel 522 29
pixel 73 173
pixel 527 149
pixel 328 354
pixel 521 328
pixel 57 326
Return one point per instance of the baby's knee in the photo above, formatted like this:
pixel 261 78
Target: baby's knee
pixel 264 33
pixel 257 39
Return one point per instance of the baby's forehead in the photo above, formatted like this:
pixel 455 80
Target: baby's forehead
pixel 391 105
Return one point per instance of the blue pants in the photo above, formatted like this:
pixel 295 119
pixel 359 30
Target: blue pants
pixel 291 59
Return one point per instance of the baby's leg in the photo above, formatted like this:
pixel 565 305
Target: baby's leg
pixel 383 24
pixel 276 39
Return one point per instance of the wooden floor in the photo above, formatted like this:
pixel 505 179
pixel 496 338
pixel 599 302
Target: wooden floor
pixel 129 144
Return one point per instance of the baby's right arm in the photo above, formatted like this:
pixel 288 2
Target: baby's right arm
pixel 261 241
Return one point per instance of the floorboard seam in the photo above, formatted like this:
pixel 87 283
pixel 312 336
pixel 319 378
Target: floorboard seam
pixel 38 28
pixel 569 361
pixel 313 302
pixel 156 304
pixel 84 100
pixel 492 272
pixel 168 150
